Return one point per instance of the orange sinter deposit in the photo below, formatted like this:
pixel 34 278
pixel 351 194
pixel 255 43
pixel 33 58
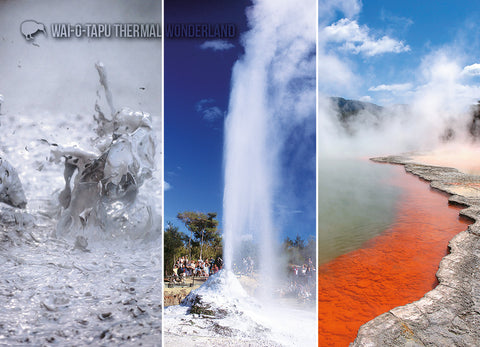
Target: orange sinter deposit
pixel 392 269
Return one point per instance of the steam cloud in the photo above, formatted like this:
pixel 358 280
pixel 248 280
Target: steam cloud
pixel 438 97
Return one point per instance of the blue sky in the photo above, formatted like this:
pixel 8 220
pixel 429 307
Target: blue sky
pixel 197 86
pixel 388 52
pixel 197 89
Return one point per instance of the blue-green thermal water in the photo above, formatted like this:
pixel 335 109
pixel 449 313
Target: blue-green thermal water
pixel 356 201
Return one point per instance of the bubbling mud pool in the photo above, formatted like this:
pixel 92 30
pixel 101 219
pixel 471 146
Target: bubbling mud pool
pixel 58 290
pixel 392 269
pixel 53 292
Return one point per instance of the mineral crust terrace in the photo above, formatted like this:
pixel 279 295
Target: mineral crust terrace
pixel 448 315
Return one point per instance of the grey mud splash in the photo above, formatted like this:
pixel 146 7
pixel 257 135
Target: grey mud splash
pixel 104 201
pixel 75 271
pixel 11 190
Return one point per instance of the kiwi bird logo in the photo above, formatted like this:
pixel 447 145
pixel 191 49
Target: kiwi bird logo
pixel 30 28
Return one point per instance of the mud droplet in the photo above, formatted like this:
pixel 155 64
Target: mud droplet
pixel 104 316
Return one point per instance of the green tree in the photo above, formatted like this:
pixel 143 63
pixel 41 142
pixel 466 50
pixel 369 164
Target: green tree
pixel 299 243
pixel 310 250
pixel 174 246
pixel 298 250
pixel 203 229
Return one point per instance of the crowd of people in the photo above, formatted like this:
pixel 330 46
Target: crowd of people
pixel 302 281
pixel 200 268
pixel 304 271
pixel 300 284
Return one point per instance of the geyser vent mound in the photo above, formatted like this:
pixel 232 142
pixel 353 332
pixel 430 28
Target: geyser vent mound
pixel 222 286
pixel 221 313
pixel 219 296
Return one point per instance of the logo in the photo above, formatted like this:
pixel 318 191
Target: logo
pixel 30 28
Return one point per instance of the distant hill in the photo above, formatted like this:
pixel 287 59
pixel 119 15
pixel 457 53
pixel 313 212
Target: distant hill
pixel 348 108
pixel 474 126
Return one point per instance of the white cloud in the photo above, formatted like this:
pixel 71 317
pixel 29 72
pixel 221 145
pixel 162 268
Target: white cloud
pixel 166 186
pixel 349 8
pixel 391 87
pixel 334 75
pixel 210 112
pixel 217 45
pixel 472 70
pixel 357 39
pixel 366 98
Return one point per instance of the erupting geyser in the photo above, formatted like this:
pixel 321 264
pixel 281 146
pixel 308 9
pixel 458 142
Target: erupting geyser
pixel 272 106
pixel 272 94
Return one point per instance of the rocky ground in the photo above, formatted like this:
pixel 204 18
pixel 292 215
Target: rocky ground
pixel 174 294
pixel 449 315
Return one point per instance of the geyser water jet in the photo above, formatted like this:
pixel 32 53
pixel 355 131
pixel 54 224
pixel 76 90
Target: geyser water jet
pixel 273 93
